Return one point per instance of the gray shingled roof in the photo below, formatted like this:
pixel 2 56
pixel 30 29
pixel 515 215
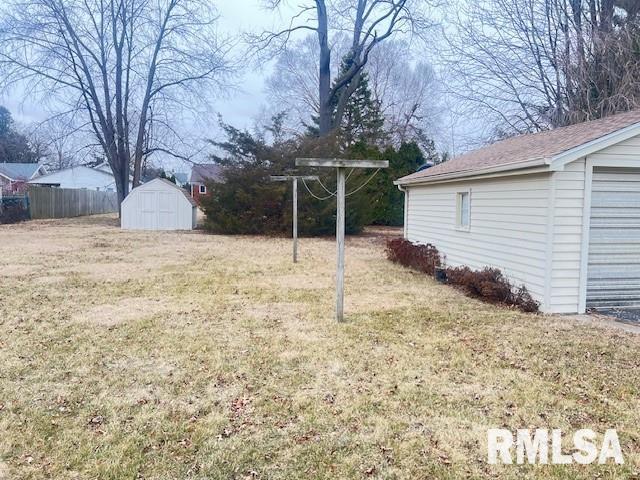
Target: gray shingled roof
pixel 202 172
pixel 527 148
pixel 19 171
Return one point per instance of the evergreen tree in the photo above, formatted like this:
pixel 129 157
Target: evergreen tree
pixel 14 147
pixel 362 121
pixel 386 200
pixel 247 202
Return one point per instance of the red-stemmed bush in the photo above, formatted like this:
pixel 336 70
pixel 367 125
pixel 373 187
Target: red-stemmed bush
pixel 488 284
pixel 424 258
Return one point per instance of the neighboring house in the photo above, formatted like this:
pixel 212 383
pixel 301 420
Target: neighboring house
pixel 14 176
pixel 159 205
pixel 558 211
pixel 200 175
pixel 80 176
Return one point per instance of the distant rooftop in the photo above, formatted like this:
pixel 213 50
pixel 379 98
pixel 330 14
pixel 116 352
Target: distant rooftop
pixel 19 171
pixel 201 172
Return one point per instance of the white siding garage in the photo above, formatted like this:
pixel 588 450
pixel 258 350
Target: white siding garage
pixel 496 235
pixel 614 238
pixel 158 205
pixel 557 211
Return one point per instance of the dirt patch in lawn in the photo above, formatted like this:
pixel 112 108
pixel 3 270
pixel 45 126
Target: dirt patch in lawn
pixel 121 311
pixel 20 270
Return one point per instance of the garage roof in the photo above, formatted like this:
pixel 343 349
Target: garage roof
pixel 528 150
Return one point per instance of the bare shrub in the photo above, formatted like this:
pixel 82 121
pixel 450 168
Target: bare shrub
pixel 424 258
pixel 488 284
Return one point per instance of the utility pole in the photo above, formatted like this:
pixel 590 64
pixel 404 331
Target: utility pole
pixel 340 166
pixel 294 180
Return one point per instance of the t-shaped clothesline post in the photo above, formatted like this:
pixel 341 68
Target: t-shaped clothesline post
pixel 294 179
pixel 340 166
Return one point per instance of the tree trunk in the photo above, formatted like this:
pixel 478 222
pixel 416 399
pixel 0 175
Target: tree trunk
pixel 121 188
pixel 119 163
pixel 324 84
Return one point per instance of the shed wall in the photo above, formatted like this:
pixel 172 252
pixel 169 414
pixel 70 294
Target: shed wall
pixel 156 206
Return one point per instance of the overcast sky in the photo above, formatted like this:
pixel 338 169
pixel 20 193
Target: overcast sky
pixel 239 16
pixel 240 107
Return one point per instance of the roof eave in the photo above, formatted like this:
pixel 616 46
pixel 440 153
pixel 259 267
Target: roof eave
pixel 559 161
pixel 538 162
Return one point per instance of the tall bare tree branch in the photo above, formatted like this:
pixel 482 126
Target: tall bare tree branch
pixel 121 58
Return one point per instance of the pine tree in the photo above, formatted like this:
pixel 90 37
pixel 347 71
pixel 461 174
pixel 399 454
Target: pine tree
pixel 362 122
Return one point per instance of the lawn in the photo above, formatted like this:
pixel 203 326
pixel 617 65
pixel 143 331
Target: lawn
pixel 185 355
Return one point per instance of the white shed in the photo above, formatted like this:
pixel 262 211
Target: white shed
pixel 558 211
pixel 159 205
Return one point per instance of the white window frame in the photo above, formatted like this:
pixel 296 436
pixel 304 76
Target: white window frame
pixel 202 189
pixel 459 196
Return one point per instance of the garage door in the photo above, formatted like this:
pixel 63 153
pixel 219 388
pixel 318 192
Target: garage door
pixel 614 241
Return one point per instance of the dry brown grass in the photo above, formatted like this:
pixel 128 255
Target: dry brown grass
pixel 175 355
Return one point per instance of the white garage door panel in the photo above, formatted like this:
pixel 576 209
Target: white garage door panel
pixel 614 239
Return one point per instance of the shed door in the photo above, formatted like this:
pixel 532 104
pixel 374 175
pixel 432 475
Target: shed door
pixel 148 210
pixel 167 211
pixel 614 241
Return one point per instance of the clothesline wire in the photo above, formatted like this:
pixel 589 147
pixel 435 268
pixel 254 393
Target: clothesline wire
pixel 313 194
pixel 333 194
pixel 364 184
pixel 329 191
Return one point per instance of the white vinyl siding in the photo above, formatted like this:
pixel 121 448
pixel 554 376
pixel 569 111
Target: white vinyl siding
pixel 566 222
pixel 535 229
pixel 79 177
pixel 508 218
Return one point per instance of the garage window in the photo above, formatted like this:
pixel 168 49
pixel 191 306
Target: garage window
pixel 203 189
pixel 463 210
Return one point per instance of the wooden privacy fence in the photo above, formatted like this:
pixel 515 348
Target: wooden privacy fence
pixel 48 202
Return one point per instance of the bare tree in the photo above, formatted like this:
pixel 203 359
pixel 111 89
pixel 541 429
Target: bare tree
pixel 293 85
pixel 368 24
pixel 115 61
pixel 55 139
pixel 532 65
pixel 405 88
